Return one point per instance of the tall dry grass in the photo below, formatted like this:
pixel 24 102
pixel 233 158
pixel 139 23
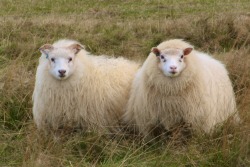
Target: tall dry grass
pixel 119 32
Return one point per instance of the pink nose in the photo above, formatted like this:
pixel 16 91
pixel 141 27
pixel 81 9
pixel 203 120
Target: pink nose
pixel 62 72
pixel 173 67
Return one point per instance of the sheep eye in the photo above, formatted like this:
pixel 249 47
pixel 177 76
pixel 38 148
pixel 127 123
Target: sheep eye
pixel 52 59
pixel 162 57
pixel 181 56
pixel 70 59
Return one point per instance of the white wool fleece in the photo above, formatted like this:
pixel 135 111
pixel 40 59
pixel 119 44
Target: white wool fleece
pixel 196 89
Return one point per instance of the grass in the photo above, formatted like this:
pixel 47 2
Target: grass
pixel 120 28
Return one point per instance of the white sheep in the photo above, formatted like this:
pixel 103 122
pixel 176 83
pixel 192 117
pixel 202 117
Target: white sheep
pixel 76 89
pixel 177 83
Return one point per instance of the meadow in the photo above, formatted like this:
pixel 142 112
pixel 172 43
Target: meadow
pixel 119 28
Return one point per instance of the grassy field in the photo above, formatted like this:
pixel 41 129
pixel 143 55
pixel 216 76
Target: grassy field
pixel 119 28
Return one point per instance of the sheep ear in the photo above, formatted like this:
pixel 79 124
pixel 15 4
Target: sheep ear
pixel 45 49
pixel 187 51
pixel 76 47
pixel 156 51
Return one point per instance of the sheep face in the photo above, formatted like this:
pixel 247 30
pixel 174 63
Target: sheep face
pixel 171 61
pixel 61 60
pixel 61 64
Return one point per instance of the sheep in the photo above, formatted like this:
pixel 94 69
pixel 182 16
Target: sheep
pixel 74 89
pixel 177 83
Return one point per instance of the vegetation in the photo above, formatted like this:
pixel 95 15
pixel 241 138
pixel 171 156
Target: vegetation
pixel 119 28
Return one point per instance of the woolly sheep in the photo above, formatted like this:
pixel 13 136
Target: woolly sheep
pixel 76 89
pixel 177 83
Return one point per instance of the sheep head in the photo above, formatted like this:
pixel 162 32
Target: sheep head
pixel 61 59
pixel 171 60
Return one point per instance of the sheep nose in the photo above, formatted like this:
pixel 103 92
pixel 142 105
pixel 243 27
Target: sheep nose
pixel 173 67
pixel 62 72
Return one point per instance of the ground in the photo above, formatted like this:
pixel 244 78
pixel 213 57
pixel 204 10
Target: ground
pixel 119 28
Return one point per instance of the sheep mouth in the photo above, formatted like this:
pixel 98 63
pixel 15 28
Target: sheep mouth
pixel 173 72
pixel 62 75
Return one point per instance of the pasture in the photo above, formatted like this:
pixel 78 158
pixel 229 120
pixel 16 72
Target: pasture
pixel 119 28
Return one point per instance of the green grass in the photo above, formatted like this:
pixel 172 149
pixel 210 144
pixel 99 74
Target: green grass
pixel 122 9
pixel 119 28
